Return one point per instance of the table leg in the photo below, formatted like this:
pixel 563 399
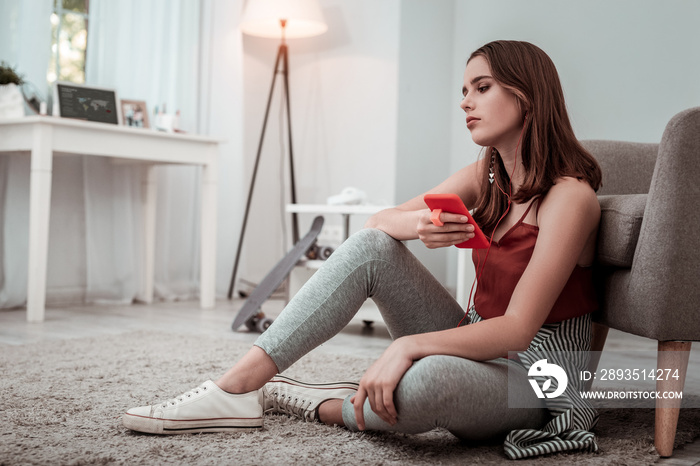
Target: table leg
pixel 149 193
pixel 39 214
pixel 346 226
pixel 462 278
pixel 207 293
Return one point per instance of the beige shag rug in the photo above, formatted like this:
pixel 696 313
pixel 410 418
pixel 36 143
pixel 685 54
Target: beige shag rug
pixel 61 403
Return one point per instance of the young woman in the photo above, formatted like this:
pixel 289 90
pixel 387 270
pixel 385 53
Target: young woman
pixel 533 194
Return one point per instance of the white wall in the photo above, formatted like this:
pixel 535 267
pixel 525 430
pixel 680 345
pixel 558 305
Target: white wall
pixel 425 97
pixel 627 66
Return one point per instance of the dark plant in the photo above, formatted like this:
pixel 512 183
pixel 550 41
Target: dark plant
pixel 9 75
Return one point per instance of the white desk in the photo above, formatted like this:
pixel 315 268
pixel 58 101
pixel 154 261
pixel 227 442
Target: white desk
pixel 44 136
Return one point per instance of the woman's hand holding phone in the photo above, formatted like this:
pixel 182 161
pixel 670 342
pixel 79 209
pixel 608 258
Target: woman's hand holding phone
pixel 455 229
pixel 451 217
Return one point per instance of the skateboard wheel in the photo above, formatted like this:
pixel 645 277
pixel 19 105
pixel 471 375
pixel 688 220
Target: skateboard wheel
pixel 263 324
pixel 325 252
pixel 252 323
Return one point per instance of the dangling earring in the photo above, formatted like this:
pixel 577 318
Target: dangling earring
pixel 491 165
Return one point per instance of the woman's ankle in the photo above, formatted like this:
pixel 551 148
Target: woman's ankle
pixel 330 412
pixel 233 384
pixel 250 373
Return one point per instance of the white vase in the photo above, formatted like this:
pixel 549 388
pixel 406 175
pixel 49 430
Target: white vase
pixel 11 101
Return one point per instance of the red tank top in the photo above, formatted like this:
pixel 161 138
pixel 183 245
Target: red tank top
pixel 505 265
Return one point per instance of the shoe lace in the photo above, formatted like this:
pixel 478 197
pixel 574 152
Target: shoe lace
pixel 184 396
pixel 293 406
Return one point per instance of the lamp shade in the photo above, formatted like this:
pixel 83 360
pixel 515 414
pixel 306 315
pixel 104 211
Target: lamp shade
pixel 262 18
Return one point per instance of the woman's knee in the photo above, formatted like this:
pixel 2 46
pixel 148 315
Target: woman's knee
pixel 371 243
pixel 469 398
pixel 425 399
pixel 436 373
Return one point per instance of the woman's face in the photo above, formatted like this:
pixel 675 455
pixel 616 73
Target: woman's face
pixel 493 115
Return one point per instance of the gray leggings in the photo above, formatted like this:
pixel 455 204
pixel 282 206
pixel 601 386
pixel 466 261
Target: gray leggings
pixel 468 398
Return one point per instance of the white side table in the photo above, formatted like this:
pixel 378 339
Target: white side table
pixel 345 210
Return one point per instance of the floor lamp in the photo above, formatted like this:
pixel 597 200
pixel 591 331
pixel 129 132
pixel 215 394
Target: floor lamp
pixel 279 19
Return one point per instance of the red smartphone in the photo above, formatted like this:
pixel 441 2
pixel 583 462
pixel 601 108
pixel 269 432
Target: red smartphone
pixel 453 204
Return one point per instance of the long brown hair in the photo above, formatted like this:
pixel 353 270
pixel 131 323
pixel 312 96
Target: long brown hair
pixel 549 148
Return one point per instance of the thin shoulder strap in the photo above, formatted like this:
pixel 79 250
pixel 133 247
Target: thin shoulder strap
pixel 527 211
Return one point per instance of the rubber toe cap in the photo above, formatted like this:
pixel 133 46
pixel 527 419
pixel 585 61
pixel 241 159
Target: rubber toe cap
pixel 140 411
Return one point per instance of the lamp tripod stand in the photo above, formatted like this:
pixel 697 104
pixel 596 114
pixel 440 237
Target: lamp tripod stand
pixel 282 58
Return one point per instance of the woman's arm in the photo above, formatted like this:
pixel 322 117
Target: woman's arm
pixel 488 339
pixel 411 220
pixel 568 221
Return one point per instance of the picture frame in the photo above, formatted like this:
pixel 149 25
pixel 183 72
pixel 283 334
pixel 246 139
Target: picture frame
pixel 82 102
pixel 134 113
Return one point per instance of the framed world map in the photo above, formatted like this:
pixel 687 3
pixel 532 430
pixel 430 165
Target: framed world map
pixel 86 103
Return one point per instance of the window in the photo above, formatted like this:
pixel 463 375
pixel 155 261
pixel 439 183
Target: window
pixel 69 41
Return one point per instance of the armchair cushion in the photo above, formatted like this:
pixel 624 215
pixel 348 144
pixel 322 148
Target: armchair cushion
pixel 627 166
pixel 620 222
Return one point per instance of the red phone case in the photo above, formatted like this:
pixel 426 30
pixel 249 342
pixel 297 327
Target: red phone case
pixel 453 204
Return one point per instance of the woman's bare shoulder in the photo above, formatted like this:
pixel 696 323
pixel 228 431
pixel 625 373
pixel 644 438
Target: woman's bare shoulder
pixel 572 187
pixel 571 196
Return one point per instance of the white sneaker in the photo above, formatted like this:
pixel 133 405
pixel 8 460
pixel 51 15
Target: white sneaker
pixel 288 396
pixel 207 408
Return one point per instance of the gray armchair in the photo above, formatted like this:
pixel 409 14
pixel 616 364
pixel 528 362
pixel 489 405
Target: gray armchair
pixel 648 258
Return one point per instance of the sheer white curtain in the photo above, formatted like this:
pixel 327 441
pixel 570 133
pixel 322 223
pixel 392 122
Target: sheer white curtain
pixel 14 234
pixel 147 51
pixel 25 43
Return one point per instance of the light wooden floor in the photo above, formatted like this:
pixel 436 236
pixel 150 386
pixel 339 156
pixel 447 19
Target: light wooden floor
pixel 186 317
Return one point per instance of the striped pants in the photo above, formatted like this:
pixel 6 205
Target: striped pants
pixel 468 398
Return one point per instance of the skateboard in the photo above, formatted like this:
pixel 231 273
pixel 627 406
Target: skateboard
pixel 250 314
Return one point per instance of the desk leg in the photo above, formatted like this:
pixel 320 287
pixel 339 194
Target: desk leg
pixel 149 193
pixel 346 226
pixel 39 214
pixel 207 293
